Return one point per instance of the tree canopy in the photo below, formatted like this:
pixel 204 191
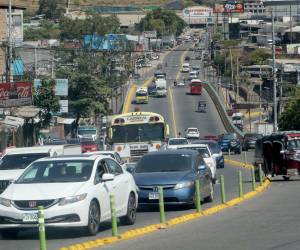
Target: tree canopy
pixel 290 118
pixel 51 9
pixel 75 29
pixel 45 99
pixel 165 22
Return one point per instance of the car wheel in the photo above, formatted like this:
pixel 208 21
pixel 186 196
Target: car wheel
pixel 210 197
pixel 130 217
pixel 10 233
pixel 94 219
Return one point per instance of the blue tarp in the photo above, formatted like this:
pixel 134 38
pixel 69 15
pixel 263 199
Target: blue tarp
pixel 18 67
pixel 107 42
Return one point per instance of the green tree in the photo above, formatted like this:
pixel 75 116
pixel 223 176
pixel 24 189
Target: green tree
pixel 290 118
pixel 259 56
pixel 165 22
pixel 50 9
pixel 45 99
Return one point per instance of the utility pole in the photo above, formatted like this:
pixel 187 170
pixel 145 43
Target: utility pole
pixel 291 25
pixel 68 6
pixel 10 74
pixel 52 66
pixel 35 62
pixel 274 74
pixel 237 79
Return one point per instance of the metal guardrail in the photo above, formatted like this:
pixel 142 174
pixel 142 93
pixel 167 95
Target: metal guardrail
pixel 222 110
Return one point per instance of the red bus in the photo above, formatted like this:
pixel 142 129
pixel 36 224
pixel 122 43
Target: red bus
pixel 196 87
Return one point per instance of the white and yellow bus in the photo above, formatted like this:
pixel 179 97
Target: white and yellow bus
pixel 134 134
pixel 141 95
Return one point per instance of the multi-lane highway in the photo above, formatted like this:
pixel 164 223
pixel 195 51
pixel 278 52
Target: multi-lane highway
pixel 179 109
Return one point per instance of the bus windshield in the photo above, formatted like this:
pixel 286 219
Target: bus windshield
pixel 138 133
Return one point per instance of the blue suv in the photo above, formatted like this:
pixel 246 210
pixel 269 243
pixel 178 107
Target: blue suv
pixel 230 142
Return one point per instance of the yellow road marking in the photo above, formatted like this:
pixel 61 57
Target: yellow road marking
pixel 172 222
pixel 172 111
pixel 147 82
pixel 129 98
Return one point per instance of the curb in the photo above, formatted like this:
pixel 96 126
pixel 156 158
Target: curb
pixel 172 222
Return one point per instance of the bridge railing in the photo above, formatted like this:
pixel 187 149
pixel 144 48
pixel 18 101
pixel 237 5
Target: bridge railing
pixel 226 120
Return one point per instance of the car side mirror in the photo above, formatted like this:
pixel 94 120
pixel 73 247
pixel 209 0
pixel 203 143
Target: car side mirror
pixel 201 168
pixel 108 177
pixel 130 169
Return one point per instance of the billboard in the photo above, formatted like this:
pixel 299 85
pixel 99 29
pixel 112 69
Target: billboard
pixel 197 15
pixel 150 34
pixel 15 94
pixel 229 7
pixel 61 87
pixel 197 11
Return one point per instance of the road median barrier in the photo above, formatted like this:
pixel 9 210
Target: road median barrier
pixel 174 221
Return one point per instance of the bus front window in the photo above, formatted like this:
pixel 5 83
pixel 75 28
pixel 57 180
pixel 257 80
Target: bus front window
pixel 138 133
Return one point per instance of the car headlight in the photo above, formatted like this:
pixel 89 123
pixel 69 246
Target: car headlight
pixel 184 184
pixel 5 202
pixel 71 199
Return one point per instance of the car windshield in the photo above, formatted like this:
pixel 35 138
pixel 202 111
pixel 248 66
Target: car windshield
pixel 229 136
pixel 293 144
pixel 87 131
pixel 142 93
pixel 138 132
pixel 214 147
pixel 236 118
pixel 57 171
pixel 193 130
pixel 178 142
pixel 203 151
pixel 164 163
pixel 256 136
pixel 19 161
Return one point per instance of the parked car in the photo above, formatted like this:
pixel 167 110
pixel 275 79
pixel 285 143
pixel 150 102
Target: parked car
pixel 230 142
pixel 174 143
pixel 176 172
pixel 192 133
pixel 249 140
pixel 215 150
pixel 74 192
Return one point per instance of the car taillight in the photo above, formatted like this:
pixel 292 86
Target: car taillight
pixel 157 146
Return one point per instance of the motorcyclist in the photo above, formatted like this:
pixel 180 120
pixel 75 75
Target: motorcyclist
pixel 175 83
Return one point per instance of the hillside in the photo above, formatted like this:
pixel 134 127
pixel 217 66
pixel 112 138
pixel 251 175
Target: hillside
pixel 33 4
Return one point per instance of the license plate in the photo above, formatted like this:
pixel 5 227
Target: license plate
pixel 153 196
pixel 33 217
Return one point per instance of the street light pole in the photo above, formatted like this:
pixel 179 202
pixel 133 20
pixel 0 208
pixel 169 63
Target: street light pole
pixel 274 75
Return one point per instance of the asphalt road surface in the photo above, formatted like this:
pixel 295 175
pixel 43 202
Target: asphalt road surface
pixel 184 107
pixel 269 221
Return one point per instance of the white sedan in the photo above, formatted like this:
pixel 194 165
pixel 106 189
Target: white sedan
pixel 74 191
pixel 192 133
pixel 207 155
pixel 174 143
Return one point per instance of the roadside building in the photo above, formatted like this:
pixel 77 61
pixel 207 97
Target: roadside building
pixel 17 33
pixel 283 8
pixel 254 7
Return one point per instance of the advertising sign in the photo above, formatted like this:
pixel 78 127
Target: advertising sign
pixel 197 11
pixel 150 34
pixel 64 106
pixel 15 94
pixel 229 7
pixel 61 87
